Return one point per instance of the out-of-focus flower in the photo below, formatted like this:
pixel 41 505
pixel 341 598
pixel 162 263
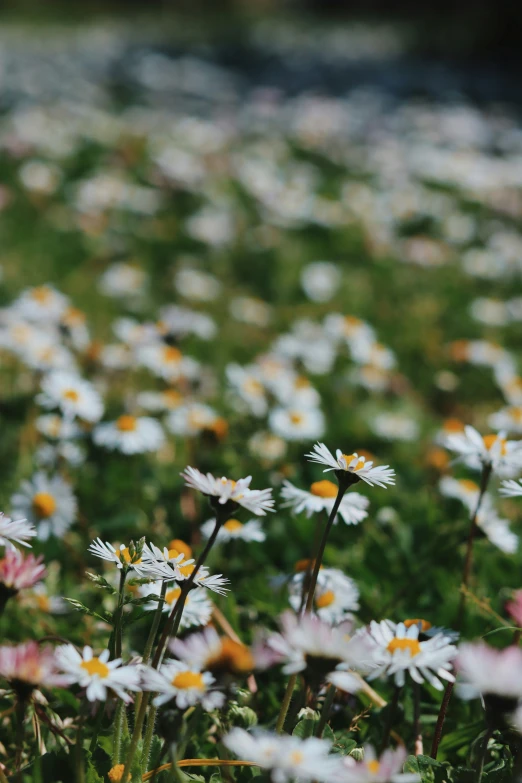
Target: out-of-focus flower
pixel 74 396
pixel 502 456
pixel 123 280
pixel 28 666
pixel 15 531
pixel 130 434
pixel 297 424
pixel 18 572
pixel 320 280
pixel 321 497
pixel 196 285
pixel 386 768
pixel 210 652
pixel 47 503
pixel 233 530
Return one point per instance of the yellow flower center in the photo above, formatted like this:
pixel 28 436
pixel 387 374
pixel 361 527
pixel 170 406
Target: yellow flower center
pixel 373 766
pixel 41 294
pixel 186 680
pixel 73 316
pixel 126 423
pixel 360 461
pixel 516 414
pixel 127 556
pixel 252 386
pixel 71 394
pixel 424 624
pixel 351 323
pixel 172 595
pixel 490 440
pixel 324 489
pixel 95 666
pixel 171 354
pixel 324 600
pixel 232 525
pixel 411 645
pixel 296 418
pixel 43 603
pixel 186 570
pixel 296 757
pixel 44 505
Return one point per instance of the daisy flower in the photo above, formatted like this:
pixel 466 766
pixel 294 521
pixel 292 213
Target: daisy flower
pixel 130 434
pixel 169 565
pixel 307 642
pixel 267 447
pixel 210 652
pixel 257 501
pixel 160 401
pixel 28 666
pixel 287 757
pixel 233 529
pixel 508 419
pixel 511 488
pixel 181 321
pixel 97 674
pixel 47 503
pixel 167 362
pixel 485 671
pixel 399 651
pixel 55 427
pixel 41 303
pixel 246 383
pixel 321 497
pixel 336 595
pixel 197 609
pixel 18 572
pixel 123 557
pixel 502 456
pixel 122 280
pixel 191 419
pixel 15 531
pixel 74 396
pixel 186 684
pixel 386 768
pixel 357 466
pixel 297 424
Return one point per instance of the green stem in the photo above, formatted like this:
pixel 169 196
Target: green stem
pixel 80 769
pixel 118 616
pixel 97 727
pixel 171 627
pixel 287 698
pixel 320 552
pixel 151 639
pixel 483 754
pixel 147 742
pixel 118 725
pixel 20 718
pixel 417 726
pixel 325 712
pixel 484 481
pixel 391 717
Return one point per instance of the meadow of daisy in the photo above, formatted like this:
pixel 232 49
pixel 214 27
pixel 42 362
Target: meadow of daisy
pixel 260 414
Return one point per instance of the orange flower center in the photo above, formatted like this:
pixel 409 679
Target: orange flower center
pixel 324 600
pixel 71 394
pixel 172 398
pixel 41 294
pixel 171 354
pixel 252 386
pixel 95 666
pixel 181 547
pixel 324 489
pixel 296 418
pixel 490 440
pixel 232 656
pixel 115 774
pixel 424 624
pixel 468 485
pixel 296 757
pixel 186 680
pixel 411 645
pixel 43 603
pixel 453 425
pixel 232 525
pixel 44 505
pixel 126 423
pixel 373 766
pixel 186 570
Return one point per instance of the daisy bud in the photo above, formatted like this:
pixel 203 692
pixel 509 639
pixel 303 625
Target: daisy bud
pixel 245 717
pixel 357 754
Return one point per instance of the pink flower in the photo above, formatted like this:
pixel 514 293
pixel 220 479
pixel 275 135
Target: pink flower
pixel 514 607
pixel 28 665
pixel 18 572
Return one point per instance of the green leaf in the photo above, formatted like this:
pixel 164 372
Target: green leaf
pixel 85 610
pixel 308 727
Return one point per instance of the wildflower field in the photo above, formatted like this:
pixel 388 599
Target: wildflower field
pixel 261 413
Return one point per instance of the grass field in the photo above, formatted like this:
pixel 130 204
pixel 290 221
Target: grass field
pixel 276 266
